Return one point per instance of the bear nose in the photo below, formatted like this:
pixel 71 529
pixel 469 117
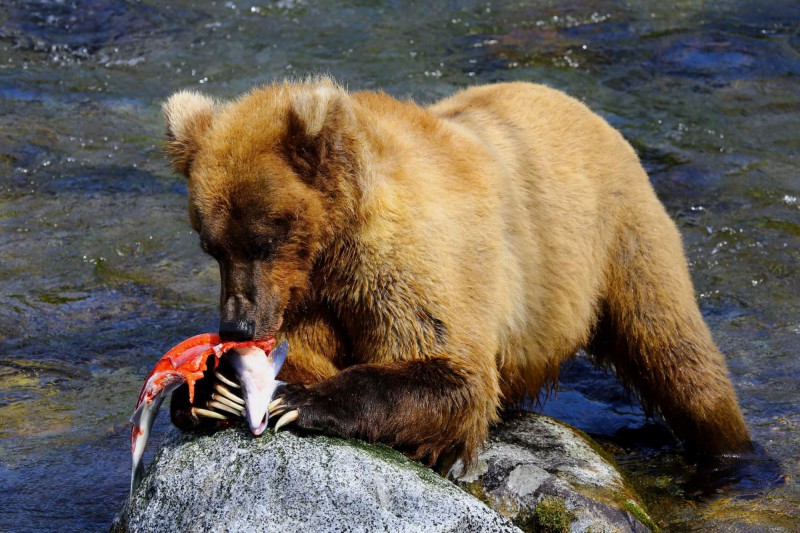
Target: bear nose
pixel 237 330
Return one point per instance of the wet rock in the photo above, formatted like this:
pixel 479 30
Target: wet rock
pixel 232 482
pixel 536 473
pixel 545 475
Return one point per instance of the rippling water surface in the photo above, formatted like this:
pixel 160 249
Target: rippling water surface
pixel 99 273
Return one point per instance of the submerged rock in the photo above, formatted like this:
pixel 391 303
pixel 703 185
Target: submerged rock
pixel 545 475
pixel 536 472
pixel 231 481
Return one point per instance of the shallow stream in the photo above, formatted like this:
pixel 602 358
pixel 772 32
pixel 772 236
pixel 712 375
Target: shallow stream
pixel 99 272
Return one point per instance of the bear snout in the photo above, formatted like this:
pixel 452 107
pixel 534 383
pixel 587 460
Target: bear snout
pixel 237 330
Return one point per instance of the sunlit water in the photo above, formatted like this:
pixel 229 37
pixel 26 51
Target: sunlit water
pixel 99 273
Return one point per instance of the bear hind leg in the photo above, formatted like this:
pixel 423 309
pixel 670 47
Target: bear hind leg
pixel 652 332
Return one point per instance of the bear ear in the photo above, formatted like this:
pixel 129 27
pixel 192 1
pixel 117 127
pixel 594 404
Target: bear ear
pixel 188 115
pixel 320 120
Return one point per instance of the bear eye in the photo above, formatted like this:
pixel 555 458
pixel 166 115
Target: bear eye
pixel 263 248
pixel 278 233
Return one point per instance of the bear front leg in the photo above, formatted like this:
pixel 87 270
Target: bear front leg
pixel 430 409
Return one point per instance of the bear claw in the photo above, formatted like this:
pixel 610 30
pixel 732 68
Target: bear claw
pixel 227 381
pixel 274 404
pixel 287 418
pixel 226 401
pixel 277 407
pixel 224 391
pixel 219 406
pixel 200 412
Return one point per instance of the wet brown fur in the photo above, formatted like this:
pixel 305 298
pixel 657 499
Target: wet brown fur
pixel 430 264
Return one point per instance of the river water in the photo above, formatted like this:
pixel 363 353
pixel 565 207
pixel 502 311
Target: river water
pixel 99 272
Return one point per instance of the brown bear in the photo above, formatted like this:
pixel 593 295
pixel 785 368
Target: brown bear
pixel 430 265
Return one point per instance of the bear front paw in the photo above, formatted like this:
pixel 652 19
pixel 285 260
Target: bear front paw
pixel 308 409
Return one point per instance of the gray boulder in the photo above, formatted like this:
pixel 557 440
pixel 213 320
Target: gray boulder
pixel 545 475
pixel 536 474
pixel 231 481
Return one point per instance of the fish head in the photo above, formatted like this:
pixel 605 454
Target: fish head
pixel 256 372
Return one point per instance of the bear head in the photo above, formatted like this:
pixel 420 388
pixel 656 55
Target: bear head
pixel 272 180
